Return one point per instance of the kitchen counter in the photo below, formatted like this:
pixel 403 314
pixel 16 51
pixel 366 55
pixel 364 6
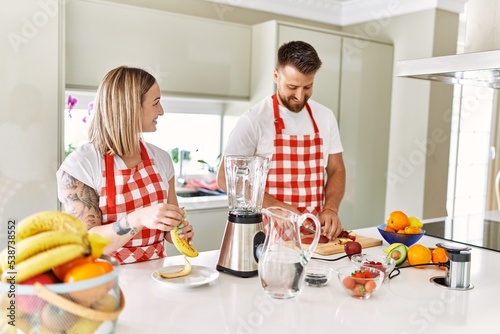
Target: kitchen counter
pixel 408 303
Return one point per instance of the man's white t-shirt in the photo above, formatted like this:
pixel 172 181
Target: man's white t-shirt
pixel 87 165
pixel 255 132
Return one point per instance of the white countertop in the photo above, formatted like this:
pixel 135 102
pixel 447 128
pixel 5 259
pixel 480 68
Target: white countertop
pixel 408 303
pixel 203 202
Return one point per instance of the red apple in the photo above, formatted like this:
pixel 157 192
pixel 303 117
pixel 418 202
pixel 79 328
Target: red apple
pixel 352 247
pixel 32 304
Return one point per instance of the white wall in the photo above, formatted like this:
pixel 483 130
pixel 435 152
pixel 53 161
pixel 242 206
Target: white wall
pixel 30 102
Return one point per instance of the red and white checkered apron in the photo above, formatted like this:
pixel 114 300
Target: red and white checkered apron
pixel 296 173
pixel 127 190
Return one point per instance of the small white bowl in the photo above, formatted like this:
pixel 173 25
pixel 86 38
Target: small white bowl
pixel 318 274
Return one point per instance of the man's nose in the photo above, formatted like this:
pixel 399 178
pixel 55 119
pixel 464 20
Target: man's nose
pixel 299 94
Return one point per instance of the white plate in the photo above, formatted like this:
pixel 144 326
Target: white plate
pixel 199 276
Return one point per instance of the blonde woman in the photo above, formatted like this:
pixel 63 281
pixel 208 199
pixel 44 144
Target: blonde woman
pixel 120 186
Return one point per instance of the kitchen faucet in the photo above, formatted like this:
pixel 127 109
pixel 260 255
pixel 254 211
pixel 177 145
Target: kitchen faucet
pixel 181 181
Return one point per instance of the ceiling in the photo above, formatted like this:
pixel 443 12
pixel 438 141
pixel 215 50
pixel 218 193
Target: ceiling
pixel 344 12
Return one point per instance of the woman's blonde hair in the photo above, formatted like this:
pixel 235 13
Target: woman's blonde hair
pixel 116 125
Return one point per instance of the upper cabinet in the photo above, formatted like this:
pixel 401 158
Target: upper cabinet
pixel 189 56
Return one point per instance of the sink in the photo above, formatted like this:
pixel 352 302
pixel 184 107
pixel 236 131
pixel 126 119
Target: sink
pixel 199 192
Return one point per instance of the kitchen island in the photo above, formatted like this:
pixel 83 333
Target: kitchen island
pixel 408 303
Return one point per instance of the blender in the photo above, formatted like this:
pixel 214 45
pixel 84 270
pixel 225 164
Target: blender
pixel 244 232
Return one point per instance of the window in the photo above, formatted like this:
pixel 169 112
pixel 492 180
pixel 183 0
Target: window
pixel 193 126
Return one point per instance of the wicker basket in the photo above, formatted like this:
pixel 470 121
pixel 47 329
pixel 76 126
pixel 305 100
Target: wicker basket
pixel 83 307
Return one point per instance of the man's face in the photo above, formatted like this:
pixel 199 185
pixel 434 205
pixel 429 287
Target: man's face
pixel 294 88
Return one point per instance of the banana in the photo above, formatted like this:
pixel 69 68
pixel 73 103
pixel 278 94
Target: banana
pixel 49 221
pixel 97 244
pixel 182 245
pixel 44 261
pixel 39 243
pixel 186 270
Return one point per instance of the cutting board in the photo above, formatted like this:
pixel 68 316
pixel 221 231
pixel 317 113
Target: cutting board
pixel 333 247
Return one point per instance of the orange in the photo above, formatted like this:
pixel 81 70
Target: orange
pixel 412 230
pixel 419 254
pixel 61 270
pixel 388 229
pixel 87 270
pixel 439 255
pixel 398 220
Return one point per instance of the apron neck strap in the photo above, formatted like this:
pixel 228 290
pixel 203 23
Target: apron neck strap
pixel 279 125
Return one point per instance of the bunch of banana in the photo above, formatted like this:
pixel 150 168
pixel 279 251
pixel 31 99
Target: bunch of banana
pixel 43 241
pixel 182 245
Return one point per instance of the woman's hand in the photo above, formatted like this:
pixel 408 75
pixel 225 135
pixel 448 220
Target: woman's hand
pixel 162 216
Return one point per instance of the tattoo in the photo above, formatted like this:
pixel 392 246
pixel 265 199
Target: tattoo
pixel 120 230
pixel 80 200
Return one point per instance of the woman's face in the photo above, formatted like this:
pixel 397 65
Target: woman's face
pixel 151 108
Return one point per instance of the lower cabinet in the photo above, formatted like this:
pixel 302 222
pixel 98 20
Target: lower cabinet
pixel 209 226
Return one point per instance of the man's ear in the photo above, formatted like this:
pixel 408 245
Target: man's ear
pixel 276 76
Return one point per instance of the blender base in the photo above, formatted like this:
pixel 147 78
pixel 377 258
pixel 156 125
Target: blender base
pixel 242 274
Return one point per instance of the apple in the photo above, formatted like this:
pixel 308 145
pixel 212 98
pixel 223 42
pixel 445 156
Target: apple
pixel 32 304
pixel 352 247
pixel 57 319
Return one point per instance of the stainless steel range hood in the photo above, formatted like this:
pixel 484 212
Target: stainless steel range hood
pixel 478 68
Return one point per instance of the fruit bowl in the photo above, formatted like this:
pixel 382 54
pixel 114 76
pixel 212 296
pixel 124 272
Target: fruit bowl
pixel 380 262
pixel 392 237
pixel 318 274
pixel 360 283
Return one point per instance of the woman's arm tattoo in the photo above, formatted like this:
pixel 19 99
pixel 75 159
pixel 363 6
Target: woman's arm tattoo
pixel 80 200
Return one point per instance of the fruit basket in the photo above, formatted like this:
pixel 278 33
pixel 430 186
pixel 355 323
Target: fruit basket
pixel 86 306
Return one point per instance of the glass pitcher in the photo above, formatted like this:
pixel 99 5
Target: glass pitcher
pixel 282 260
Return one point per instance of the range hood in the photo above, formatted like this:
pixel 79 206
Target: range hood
pixel 477 68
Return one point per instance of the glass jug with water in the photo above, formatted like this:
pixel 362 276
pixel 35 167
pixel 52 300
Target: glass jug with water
pixel 282 260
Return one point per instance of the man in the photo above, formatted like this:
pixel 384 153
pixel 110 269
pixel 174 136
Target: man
pixel 301 139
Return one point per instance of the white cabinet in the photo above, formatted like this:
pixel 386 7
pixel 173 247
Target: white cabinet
pixel 365 108
pixel 326 82
pixel 355 82
pixel 208 225
pixel 189 56
pixel 31 108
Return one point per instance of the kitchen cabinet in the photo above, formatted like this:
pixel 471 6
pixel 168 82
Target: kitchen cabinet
pixel 31 109
pixel 189 56
pixel 365 108
pixel 209 226
pixel 355 81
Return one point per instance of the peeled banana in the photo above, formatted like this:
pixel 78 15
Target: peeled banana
pixel 182 245
pixel 186 270
pixel 49 221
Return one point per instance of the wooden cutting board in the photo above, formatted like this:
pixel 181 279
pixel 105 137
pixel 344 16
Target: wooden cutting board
pixel 333 247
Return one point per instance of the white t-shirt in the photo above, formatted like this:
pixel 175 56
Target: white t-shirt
pixel 254 132
pixel 87 165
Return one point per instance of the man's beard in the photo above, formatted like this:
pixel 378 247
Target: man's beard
pixel 292 107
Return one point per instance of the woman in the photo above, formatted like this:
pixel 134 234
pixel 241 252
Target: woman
pixel 120 186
